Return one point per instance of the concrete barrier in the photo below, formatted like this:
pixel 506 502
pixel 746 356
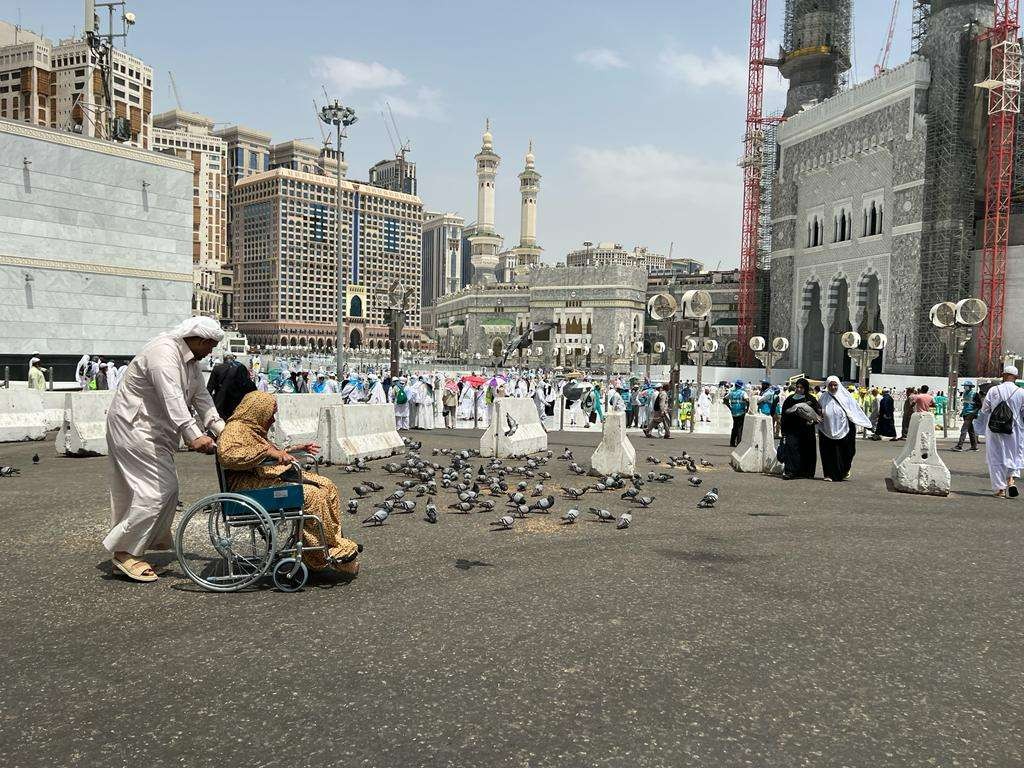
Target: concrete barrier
pixel 919 468
pixel 756 451
pixel 22 416
pixel 298 417
pixel 361 431
pixel 53 408
pixel 84 428
pixel 528 435
pixel 615 453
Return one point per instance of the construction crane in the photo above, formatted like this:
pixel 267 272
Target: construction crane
pixel 883 55
pixel 174 88
pixel 1003 85
pixel 752 164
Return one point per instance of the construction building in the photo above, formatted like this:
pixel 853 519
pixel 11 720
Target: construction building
pixel 397 174
pixel 879 189
pixel 442 256
pixel 284 247
pixel 598 254
pixel 62 86
pixel 187 135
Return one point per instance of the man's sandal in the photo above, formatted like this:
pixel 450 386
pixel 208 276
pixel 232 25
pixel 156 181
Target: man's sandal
pixel 130 568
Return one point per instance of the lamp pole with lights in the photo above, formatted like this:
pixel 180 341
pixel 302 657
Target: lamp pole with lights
pixel 341 117
pixel 954 321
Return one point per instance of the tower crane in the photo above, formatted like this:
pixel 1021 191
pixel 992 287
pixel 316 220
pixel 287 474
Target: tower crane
pixel 883 55
pixel 174 88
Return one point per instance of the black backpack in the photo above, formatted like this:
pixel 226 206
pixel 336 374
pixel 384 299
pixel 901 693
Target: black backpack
pixel 1001 420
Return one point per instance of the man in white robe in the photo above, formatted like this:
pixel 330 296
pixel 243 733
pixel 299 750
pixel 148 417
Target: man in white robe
pixel 376 390
pixel 149 414
pixel 1004 454
pixel 399 391
pixel 704 405
pixel 540 398
pixel 82 372
pixel 466 400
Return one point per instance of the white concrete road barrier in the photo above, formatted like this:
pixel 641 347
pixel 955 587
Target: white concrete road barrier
pixel 527 433
pixel 615 453
pixel 22 416
pixel 84 428
pixel 360 431
pixel 298 417
pixel 919 468
pixel 756 451
pixel 53 407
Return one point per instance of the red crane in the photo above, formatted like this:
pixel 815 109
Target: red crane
pixel 1003 86
pixel 753 146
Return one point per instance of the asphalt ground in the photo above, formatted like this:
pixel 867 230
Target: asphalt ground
pixel 799 623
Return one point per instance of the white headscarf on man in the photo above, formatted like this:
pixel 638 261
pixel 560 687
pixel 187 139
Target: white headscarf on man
pixel 198 326
pixel 838 411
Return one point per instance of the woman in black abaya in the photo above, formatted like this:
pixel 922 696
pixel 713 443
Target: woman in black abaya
pixel 837 432
pixel 800 412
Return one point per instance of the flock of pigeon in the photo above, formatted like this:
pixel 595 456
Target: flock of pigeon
pixel 516 489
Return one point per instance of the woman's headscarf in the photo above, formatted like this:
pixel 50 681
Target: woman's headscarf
pixel 807 389
pixel 243 443
pixel 839 411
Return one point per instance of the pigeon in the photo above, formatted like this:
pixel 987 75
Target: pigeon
pixel 574 493
pixel 538 490
pixel 653 460
pixel 662 477
pixel 462 506
pixel 513 425
pixel 522 510
pixel 373 486
pixel 516 498
pixel 431 511
pixel 694 480
pixel 705 463
pixel 396 495
pixel 378 517
pixel 602 514
pixel 574 467
pixel 709 500
pixel 505 521
pixel 353 506
pixel 522 485
pixel 414 446
pixel 35 458
pixel 543 505
pixel 630 493
pixel 571 516
pixel 624 520
pixel 406 507
pixel 486 505
pixel 362 491
pixel 644 501
pixel 566 455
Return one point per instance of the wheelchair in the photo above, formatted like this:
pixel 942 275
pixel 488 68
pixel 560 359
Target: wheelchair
pixel 230 540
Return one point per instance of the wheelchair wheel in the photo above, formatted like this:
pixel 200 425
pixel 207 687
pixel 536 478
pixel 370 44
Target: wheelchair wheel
pixel 283 577
pixel 225 542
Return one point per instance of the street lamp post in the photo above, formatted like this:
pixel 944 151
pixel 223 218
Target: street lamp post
pixel 863 356
pixel 341 117
pixel 769 356
pixel 953 322
pixel 700 351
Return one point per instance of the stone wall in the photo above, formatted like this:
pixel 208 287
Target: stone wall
pixel 95 244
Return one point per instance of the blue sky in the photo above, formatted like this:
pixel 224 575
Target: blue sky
pixel 636 110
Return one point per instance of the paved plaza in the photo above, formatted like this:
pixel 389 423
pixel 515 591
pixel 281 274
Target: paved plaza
pixel 798 624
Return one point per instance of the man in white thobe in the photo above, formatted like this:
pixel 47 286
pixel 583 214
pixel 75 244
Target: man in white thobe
pixel 704 405
pixel 401 409
pixel 1004 454
pixel 376 391
pixel 149 414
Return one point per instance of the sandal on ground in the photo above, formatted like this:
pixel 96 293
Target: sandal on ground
pixel 130 567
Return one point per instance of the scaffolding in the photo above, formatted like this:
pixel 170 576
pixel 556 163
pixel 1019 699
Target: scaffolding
pixel 810 24
pixel 947 236
pixel 919 13
pixel 769 165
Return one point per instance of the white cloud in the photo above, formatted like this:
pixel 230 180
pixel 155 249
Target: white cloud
pixel 715 70
pixel 645 172
pixel 425 102
pixel 347 75
pixel 601 59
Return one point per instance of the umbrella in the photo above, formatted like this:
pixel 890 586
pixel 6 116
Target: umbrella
pixel 474 381
pixel 451 385
pixel 572 393
pixel 496 381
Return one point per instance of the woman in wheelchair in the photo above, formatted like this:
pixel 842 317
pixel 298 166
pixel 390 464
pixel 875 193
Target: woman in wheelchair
pixel 243 447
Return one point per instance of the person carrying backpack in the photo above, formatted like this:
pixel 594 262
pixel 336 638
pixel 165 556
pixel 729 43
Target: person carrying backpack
pixel 739 403
pixel 1002 421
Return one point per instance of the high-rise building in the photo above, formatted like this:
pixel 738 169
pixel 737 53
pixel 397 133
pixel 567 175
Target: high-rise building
pixel 63 87
pixel 485 242
pixel 594 255
pixel 442 256
pixel 284 245
pixel 398 175
pixel 187 135
pixel 299 156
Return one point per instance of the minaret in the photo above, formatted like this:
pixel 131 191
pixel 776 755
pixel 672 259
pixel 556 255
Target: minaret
pixel 816 50
pixel 484 242
pixel 528 252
